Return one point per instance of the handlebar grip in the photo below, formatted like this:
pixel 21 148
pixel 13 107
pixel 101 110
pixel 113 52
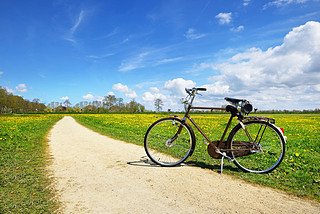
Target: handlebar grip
pixel 201 89
pixel 188 91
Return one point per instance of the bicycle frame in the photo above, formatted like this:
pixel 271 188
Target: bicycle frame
pixel 187 116
pixel 217 147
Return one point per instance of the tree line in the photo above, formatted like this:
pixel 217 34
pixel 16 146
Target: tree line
pixel 110 104
pixel 10 103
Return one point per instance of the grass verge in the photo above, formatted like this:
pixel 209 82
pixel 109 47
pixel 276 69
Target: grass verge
pixel 24 182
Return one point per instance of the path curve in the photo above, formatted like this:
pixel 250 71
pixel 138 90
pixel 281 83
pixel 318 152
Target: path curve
pixel 97 174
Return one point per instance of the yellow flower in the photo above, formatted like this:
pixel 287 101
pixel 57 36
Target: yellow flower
pixel 297 154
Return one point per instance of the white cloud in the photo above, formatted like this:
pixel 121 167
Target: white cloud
pixel 134 62
pixel 169 60
pixel 224 18
pixel 88 97
pixel 91 97
pixel 125 90
pixel 9 90
pixel 77 23
pixel 70 35
pixel 64 98
pixel 246 2
pixel 190 34
pixel 237 29
pixel 280 3
pixel 177 86
pixel 1 73
pixel 148 96
pixel 111 93
pixel 22 88
pixel 154 89
pixel 291 70
pixel 148 57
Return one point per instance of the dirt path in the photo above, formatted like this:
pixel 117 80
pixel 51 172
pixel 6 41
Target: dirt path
pixel 96 174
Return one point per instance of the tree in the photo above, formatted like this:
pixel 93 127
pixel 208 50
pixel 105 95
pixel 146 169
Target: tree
pixel 67 103
pixel 109 101
pixel 158 104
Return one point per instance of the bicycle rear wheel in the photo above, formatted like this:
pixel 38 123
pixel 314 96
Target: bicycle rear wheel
pixel 270 151
pixel 165 146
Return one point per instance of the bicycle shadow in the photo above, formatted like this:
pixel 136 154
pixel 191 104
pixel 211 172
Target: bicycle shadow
pixel 146 162
pixel 214 167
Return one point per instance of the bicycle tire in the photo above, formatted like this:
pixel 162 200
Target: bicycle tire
pixel 161 149
pixel 261 161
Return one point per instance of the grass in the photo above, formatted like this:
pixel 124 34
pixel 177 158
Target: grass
pixel 298 174
pixel 24 179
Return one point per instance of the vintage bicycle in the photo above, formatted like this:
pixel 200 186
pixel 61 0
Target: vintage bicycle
pixel 254 145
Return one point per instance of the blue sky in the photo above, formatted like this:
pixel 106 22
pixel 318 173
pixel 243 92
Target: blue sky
pixel 266 51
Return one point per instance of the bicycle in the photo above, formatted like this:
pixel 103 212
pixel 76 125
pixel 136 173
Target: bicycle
pixel 254 145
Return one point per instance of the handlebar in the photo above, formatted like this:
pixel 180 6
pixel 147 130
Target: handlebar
pixel 194 90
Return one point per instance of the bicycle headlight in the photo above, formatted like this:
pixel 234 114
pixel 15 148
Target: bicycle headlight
pixel 246 108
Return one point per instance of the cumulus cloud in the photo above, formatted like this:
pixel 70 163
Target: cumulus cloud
pixel 290 70
pixel 64 98
pixel 9 90
pixel 224 18
pixel 1 73
pixel 22 88
pixel 148 96
pixel 111 93
pixel 177 86
pixel 19 88
pixel 91 97
pixel 125 90
pixel 88 97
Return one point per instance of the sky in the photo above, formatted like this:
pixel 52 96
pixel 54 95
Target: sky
pixel 265 51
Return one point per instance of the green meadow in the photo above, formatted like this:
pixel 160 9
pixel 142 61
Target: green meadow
pixel 25 184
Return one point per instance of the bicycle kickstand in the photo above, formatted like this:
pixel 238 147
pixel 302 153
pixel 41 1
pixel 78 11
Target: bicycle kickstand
pixel 223 155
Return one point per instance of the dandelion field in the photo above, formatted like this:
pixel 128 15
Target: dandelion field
pixel 24 179
pixel 299 172
pixel 23 158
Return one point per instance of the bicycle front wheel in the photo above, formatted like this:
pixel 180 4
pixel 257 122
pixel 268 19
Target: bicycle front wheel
pixel 169 142
pixel 259 150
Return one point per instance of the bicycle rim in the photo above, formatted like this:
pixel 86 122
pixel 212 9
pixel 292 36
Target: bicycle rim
pixel 263 160
pixel 160 146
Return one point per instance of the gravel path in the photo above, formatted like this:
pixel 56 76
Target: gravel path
pixel 97 174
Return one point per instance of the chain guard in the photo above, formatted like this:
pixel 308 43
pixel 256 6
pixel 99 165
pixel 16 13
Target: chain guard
pixel 212 152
